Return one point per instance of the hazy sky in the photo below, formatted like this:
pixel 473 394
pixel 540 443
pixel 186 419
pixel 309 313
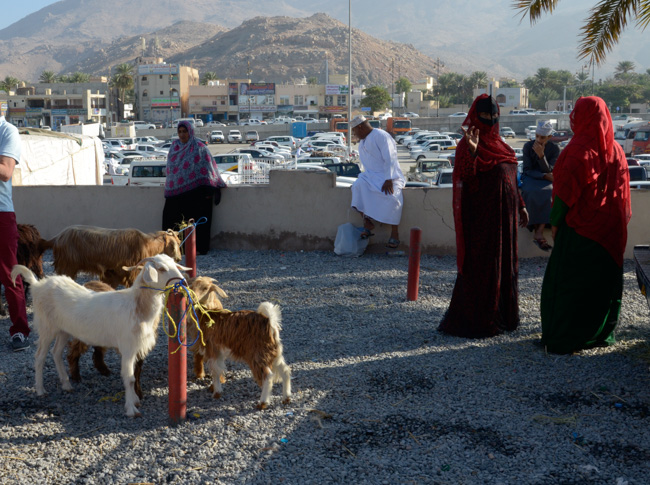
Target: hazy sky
pixel 14 11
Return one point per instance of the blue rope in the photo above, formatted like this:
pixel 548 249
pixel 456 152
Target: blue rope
pixel 202 220
pixel 176 288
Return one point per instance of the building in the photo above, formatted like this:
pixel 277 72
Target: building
pixel 56 104
pixel 506 97
pixel 162 90
pixel 238 99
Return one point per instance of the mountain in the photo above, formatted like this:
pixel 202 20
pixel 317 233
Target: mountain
pixel 465 34
pixel 285 48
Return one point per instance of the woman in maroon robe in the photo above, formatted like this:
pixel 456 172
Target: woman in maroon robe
pixel 487 207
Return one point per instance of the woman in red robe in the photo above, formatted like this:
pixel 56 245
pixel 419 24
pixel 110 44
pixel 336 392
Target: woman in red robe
pixel 487 208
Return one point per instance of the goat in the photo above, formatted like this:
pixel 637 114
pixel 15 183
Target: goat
pixel 249 336
pixel 126 319
pixel 206 292
pixel 29 253
pixel 76 348
pixel 103 252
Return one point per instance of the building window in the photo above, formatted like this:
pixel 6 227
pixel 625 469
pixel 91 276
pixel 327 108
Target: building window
pixel 284 101
pixel 299 100
pixel 160 76
pixel 145 94
pixel 161 92
pixel 341 100
pixel 329 100
pixel 214 103
pixel 144 78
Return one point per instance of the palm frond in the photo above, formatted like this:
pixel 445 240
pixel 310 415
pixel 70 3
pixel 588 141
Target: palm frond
pixel 607 20
pixel 533 9
pixel 643 14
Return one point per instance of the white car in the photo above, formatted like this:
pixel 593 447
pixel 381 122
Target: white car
pixel 198 122
pixel 459 114
pixel 234 136
pixel 142 125
pixel 287 141
pixel 216 136
pixel 507 132
pixel 410 114
pixel 257 154
pixel 529 129
pixel 213 123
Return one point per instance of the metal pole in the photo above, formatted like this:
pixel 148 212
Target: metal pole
pixel 349 77
pixel 414 264
pixel 177 361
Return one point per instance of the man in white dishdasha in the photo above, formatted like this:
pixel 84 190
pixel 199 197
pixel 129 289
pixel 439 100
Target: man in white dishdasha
pixel 377 193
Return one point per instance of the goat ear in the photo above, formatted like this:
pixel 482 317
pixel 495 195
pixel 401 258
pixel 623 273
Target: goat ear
pixel 130 268
pixel 149 274
pixel 219 291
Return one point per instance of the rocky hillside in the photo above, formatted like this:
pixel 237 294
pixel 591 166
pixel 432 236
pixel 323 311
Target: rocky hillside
pixel 284 48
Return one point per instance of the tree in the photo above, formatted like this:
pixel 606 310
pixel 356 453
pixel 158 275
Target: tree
pixel 478 79
pixel 603 27
pixel 9 83
pixel 545 95
pixel 209 76
pixel 624 67
pixel 79 77
pixel 403 85
pixel 48 77
pixel 543 77
pixel 313 80
pixel 122 81
pixel 376 97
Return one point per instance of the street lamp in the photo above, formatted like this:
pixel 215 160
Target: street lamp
pixel 349 76
pixel 438 65
pixel 248 73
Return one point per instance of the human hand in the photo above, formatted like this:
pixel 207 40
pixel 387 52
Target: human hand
pixel 471 137
pixel 554 232
pixel 387 188
pixel 539 149
pixel 523 217
pixel 549 177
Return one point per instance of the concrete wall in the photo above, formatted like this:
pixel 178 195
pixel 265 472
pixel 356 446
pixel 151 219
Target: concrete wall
pixel 296 211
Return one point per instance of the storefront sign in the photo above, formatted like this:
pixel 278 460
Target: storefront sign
pixel 256 88
pixel 333 109
pixel 336 89
pixel 164 102
pixel 257 109
pixel 157 69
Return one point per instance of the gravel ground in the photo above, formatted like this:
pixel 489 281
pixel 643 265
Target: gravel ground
pixel 380 397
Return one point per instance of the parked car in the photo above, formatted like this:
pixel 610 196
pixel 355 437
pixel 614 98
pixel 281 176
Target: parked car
pixel 142 125
pixel 258 154
pixel 216 136
pixel 148 173
pixel 530 129
pixel 507 132
pixel 561 135
pixel 211 124
pixel 459 114
pixel 115 143
pixel 229 162
pixel 426 170
pixel 250 122
pixel 321 144
pixel 252 135
pixel 410 114
pixel 234 136
pixel 310 120
pixel 520 112
pixel 198 122
pixel 287 141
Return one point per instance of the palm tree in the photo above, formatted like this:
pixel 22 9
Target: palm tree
pixel 9 83
pixel 48 77
pixel 209 76
pixel 624 67
pixel 604 25
pixel 80 77
pixel 122 81
pixel 545 95
pixel 543 77
pixel 478 79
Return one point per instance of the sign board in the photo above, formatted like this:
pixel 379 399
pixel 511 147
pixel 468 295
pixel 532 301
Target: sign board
pixel 256 88
pixel 336 89
pixel 365 108
pixel 157 69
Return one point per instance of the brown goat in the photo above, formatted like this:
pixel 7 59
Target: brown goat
pixel 29 253
pixel 103 252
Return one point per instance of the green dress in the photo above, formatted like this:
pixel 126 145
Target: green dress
pixel 581 293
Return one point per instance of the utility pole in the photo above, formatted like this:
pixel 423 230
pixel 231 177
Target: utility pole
pixel 438 65
pixel 392 83
pixel 248 74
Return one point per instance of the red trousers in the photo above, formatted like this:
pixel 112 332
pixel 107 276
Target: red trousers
pixel 15 295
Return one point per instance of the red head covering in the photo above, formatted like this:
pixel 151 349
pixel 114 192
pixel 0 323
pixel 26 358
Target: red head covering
pixel 491 151
pixel 592 178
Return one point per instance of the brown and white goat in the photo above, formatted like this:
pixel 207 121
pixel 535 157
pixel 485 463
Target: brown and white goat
pixel 29 253
pixel 249 336
pixel 125 319
pixel 103 252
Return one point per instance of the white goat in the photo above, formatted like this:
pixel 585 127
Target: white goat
pixel 126 319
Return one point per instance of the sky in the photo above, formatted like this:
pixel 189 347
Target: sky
pixel 14 11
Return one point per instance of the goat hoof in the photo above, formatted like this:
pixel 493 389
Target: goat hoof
pixel 216 395
pixel 104 371
pixel 287 401
pixel 67 387
pixel 262 405
pixel 75 378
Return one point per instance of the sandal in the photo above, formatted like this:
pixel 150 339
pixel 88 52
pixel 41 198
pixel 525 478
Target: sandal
pixel 365 233
pixel 542 244
pixel 393 243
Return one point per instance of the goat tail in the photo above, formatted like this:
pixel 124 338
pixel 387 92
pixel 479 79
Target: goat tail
pixel 273 313
pixel 25 272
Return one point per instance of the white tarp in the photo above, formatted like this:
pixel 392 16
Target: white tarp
pixel 55 159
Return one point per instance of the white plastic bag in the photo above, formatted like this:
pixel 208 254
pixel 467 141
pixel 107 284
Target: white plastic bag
pixel 348 241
